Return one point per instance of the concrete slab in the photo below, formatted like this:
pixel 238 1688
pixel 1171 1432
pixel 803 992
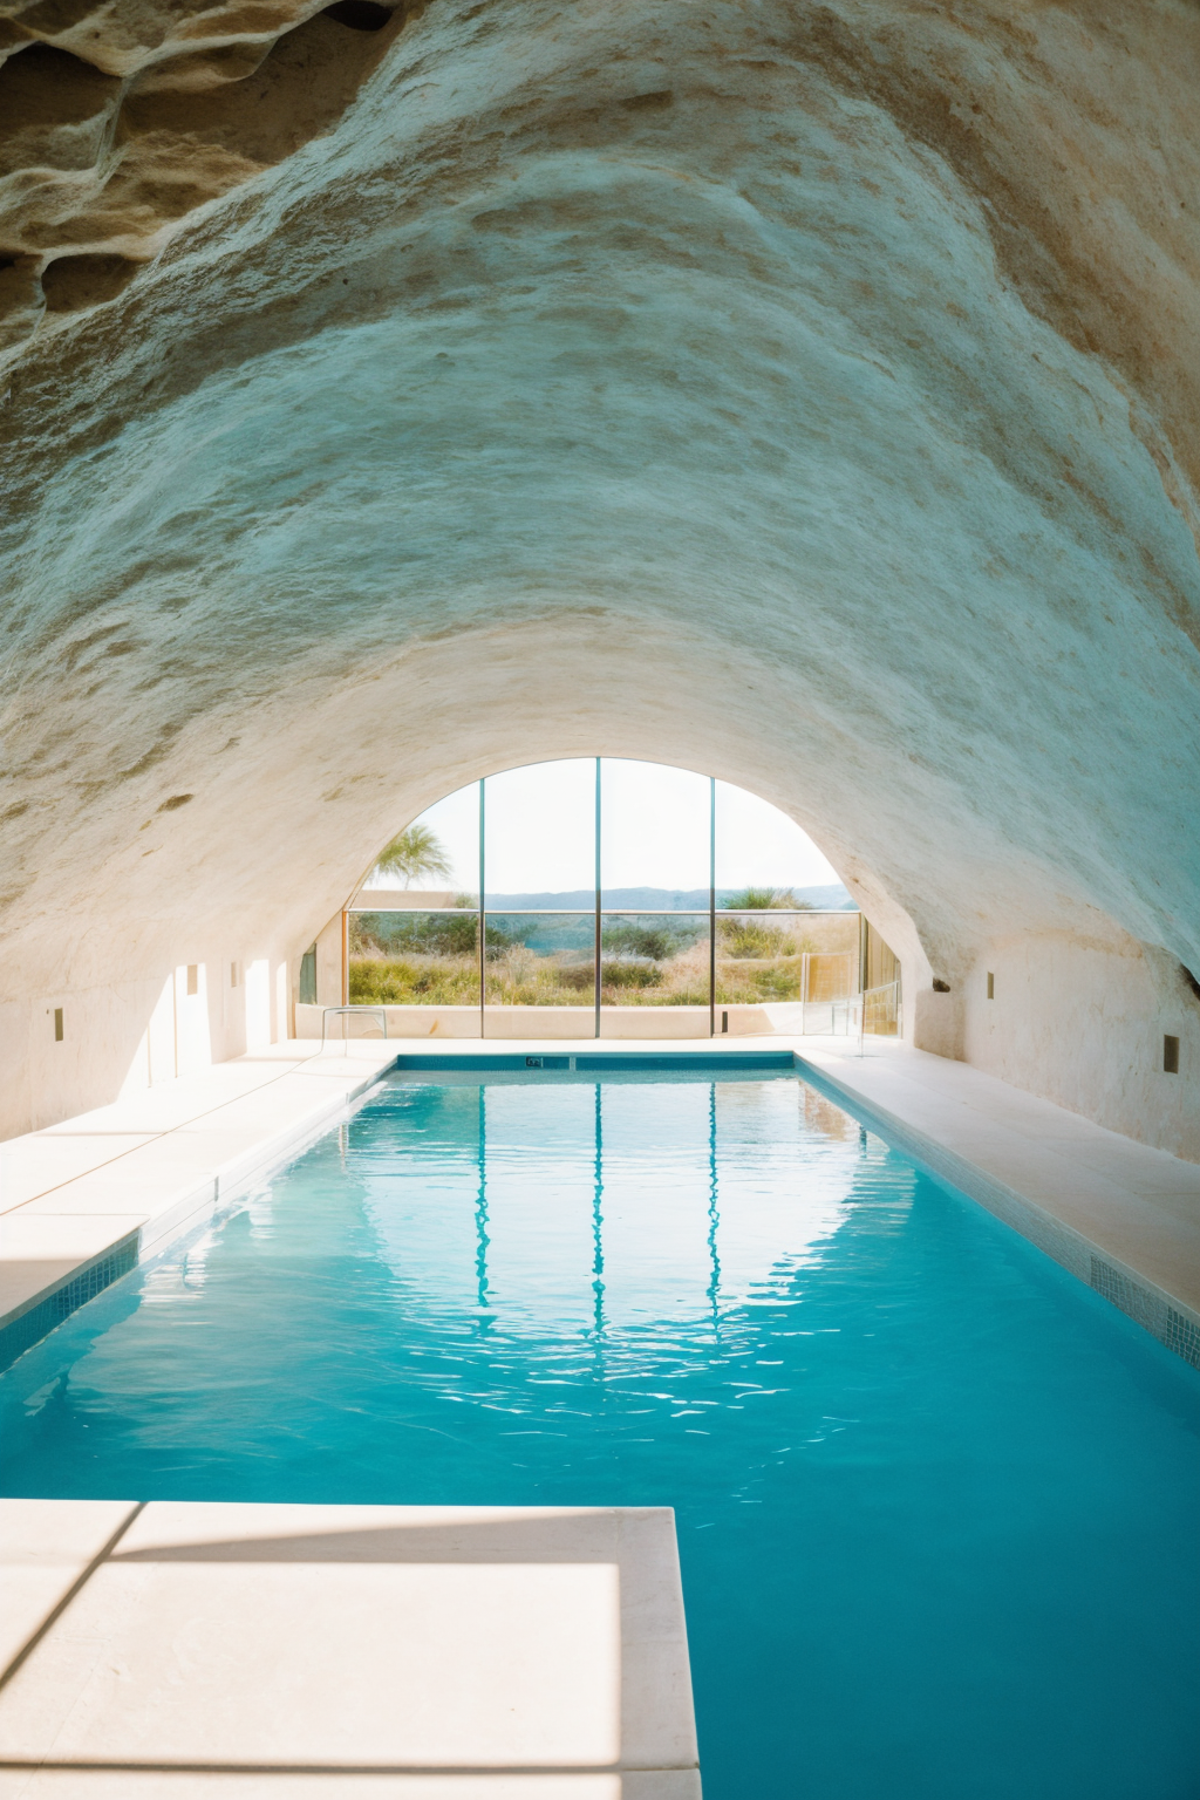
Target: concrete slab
pixel 246 1090
pixel 46 1547
pixel 37 1255
pixel 160 1784
pixel 511 1653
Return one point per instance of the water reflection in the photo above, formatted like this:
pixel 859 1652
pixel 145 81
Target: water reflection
pixel 588 1207
pixel 481 1213
pixel 714 1216
pixel 598 1215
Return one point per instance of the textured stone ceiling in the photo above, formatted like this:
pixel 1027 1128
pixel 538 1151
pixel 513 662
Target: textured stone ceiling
pixel 804 393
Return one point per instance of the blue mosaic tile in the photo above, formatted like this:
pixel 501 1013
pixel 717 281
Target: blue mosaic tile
pixel 41 1319
pixel 1183 1337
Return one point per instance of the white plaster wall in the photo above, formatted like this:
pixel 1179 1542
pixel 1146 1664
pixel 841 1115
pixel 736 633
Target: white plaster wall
pixel 122 1036
pixel 329 963
pixel 1082 1023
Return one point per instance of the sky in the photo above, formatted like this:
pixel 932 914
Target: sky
pixel 654 831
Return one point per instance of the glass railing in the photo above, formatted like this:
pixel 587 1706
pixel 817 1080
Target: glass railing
pixel 413 958
pixel 769 971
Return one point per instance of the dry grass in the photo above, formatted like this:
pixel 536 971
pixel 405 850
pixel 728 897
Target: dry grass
pixel 435 963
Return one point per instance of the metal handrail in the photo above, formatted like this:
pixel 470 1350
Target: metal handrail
pixel 326 1010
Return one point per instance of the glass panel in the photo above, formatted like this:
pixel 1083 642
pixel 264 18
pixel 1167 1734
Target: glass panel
pixel 540 846
pixel 654 837
pixel 433 862
pixel 761 956
pixel 411 958
pixel 765 860
pixel 542 959
pixel 881 999
pixel 773 957
pixel 651 962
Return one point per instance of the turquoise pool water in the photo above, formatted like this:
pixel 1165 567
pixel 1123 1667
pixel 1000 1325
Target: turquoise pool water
pixel 937 1503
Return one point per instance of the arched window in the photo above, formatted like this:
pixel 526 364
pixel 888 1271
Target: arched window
pixel 609 898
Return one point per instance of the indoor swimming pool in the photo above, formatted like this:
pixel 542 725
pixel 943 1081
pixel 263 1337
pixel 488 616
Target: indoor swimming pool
pixel 936 1501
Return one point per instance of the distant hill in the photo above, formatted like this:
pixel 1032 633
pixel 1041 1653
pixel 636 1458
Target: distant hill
pixel 833 898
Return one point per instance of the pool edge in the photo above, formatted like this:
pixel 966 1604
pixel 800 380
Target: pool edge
pixel 1165 1316
pixel 32 1319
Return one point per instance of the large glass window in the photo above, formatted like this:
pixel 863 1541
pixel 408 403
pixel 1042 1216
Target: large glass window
pixel 539 861
pixel 413 936
pixel 606 897
pixel 656 894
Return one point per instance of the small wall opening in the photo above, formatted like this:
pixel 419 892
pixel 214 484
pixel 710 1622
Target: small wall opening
pixel 71 283
pixel 359 15
pixel 1170 1056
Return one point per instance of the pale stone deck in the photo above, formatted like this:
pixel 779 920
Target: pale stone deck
pixel 178 1650
pixel 131 1176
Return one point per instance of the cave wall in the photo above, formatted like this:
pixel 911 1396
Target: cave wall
pixel 804 394
pixel 1082 1022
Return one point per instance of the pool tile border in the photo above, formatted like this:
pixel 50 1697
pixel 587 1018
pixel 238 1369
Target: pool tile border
pixel 40 1319
pixel 180 1211
pixel 1166 1317
pixel 589 1061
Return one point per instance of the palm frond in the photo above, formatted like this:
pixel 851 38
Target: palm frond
pixel 417 851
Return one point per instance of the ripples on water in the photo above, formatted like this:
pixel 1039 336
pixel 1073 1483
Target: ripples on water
pixel 936 1502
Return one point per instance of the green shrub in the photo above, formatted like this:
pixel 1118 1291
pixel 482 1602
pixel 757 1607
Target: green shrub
pixel 629 975
pixel 747 937
pixel 654 942
pixel 765 899
pixel 379 981
pixel 576 977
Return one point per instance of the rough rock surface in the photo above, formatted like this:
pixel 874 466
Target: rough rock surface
pixel 805 393
pixel 118 121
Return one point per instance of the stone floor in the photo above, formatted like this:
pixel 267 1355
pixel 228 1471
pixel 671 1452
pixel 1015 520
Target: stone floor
pixel 175 1650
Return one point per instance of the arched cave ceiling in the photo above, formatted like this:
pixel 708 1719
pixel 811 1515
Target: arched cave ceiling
pixel 808 393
